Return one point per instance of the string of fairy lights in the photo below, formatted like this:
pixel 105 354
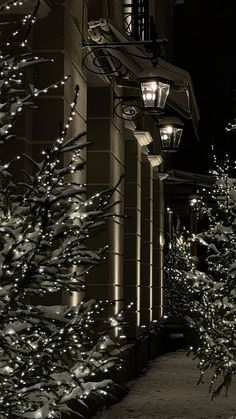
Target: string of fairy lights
pixel 11 4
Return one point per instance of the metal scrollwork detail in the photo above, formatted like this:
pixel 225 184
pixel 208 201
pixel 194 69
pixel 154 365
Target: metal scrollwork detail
pixel 101 61
pixel 128 109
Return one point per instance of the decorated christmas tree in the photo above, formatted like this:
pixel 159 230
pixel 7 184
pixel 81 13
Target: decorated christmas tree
pixel 213 309
pixel 53 359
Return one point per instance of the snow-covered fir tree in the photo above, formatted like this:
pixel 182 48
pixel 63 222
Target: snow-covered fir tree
pixel 52 358
pixel 213 310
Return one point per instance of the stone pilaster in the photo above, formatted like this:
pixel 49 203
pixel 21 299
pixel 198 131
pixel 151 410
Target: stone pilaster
pixel 105 165
pixel 132 240
pixel 75 25
pixel 146 281
pixel 158 244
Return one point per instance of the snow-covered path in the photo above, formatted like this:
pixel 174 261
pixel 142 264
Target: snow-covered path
pixel 169 390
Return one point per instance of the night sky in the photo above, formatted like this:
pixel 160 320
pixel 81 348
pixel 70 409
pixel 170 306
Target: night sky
pixel 205 45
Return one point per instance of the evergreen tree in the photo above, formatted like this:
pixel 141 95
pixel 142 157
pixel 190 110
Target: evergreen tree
pixel 178 261
pixel 214 307
pixel 49 356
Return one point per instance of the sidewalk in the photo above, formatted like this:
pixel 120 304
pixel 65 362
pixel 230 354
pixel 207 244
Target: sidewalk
pixel 169 390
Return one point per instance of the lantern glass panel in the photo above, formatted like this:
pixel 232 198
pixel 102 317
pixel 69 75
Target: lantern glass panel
pixel 154 93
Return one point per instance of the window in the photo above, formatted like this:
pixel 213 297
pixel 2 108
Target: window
pixel 136 19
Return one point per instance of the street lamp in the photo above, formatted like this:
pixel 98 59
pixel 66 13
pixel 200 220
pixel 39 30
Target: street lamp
pixel 155 88
pixel 171 129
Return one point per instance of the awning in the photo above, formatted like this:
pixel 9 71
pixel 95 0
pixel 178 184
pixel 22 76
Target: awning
pixel 180 176
pixel 131 58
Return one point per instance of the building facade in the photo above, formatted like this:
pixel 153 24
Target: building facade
pixel 125 151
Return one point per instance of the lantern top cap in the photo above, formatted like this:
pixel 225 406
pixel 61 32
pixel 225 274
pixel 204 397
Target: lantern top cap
pixel 155 73
pixel 171 120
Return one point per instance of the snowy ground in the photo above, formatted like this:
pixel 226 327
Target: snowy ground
pixel 169 390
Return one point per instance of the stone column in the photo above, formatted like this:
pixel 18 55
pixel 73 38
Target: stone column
pixel 105 165
pixel 132 239
pixel 59 36
pixel 75 25
pixel 146 281
pixel 158 244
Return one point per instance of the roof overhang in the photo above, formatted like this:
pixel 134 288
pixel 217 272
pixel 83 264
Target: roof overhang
pixel 132 58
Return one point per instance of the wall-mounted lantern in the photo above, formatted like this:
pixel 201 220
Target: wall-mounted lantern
pixel 171 129
pixel 155 88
